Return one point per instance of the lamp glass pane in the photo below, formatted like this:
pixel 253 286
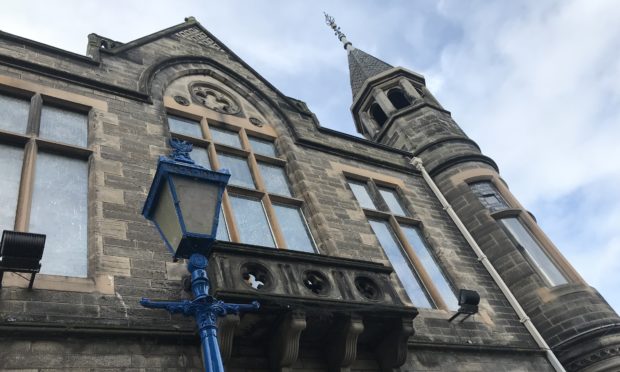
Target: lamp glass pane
pixel 10 169
pixel 64 126
pixel 391 199
pixel 534 251
pixel 251 220
pixel 427 260
pixel 225 137
pixel 222 228
pixel 294 228
pixel 400 263
pixel 361 194
pixel 60 210
pixel 14 114
pixel 197 200
pixel 184 126
pixel 263 147
pixel 239 170
pixel 275 179
pixel 166 217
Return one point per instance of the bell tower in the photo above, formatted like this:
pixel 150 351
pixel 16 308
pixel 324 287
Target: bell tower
pixel 393 107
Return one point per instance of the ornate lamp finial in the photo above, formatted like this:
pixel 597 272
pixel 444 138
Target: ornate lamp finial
pixel 181 150
pixel 331 22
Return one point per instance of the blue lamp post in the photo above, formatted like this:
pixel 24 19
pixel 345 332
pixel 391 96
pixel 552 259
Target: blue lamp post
pixel 184 203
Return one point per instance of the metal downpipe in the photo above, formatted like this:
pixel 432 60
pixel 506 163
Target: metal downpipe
pixel 540 341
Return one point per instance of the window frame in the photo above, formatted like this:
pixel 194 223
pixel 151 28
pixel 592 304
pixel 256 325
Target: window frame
pixel 253 159
pixel 395 221
pixel 500 214
pixel 33 145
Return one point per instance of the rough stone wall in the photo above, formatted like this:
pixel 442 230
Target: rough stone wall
pixel 126 141
pixel 561 313
pixel 97 354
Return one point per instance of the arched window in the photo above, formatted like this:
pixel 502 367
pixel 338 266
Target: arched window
pixel 398 99
pixel 377 114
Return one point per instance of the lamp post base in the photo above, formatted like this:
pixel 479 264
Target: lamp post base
pixel 205 309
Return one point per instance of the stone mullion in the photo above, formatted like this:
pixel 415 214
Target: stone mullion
pixel 34 116
pixel 233 231
pixel 415 261
pixel 384 102
pixel 260 184
pixel 24 200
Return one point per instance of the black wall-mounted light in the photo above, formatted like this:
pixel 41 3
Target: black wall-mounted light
pixel 468 304
pixel 21 252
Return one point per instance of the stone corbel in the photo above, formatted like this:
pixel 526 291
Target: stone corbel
pixel 392 351
pixel 342 345
pixel 284 347
pixel 225 333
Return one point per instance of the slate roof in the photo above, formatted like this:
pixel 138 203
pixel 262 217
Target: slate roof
pixel 363 66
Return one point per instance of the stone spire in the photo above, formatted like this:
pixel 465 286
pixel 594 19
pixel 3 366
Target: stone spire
pixel 362 66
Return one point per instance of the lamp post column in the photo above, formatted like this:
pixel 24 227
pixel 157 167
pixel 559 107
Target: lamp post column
pixel 205 309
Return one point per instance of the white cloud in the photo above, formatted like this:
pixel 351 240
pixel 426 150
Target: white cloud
pixel 536 84
pixel 538 90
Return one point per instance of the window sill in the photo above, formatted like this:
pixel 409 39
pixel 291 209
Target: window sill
pixel 103 284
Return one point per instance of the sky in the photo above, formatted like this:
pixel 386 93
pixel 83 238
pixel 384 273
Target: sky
pixel 535 83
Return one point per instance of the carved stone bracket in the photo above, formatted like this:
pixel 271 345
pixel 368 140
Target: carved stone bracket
pixel 226 331
pixel 342 347
pixel 284 347
pixel 392 351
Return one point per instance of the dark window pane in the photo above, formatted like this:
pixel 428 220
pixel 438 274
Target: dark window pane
pixel 226 137
pixel 398 99
pixel 294 228
pixel 361 194
pixel 200 155
pixel 222 229
pixel 489 196
pixel 59 209
pixel 535 252
pixel 263 147
pixel 377 113
pixel 184 126
pixel 64 126
pixel 427 261
pixel 275 179
pixel 10 174
pixel 239 170
pixel 391 199
pixel 14 114
pixel 251 221
pixel 400 262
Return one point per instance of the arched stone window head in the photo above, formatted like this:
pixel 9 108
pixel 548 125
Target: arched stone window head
pixel 398 98
pixel 376 112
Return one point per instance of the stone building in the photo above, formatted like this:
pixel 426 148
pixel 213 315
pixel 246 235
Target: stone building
pixel 356 252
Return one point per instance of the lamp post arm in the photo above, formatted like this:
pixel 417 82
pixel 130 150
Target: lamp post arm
pixel 236 308
pixel 181 307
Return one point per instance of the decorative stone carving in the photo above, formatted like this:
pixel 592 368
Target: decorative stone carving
pixel 316 282
pixel 198 36
pixel 256 121
pixel 181 100
pixel 214 98
pixel 284 347
pixel 368 288
pixel 392 351
pixel 342 347
pixel 256 276
pixel 225 332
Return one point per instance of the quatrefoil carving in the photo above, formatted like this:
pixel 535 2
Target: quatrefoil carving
pixel 214 98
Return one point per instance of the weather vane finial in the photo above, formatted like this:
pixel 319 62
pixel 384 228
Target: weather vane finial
pixel 331 22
